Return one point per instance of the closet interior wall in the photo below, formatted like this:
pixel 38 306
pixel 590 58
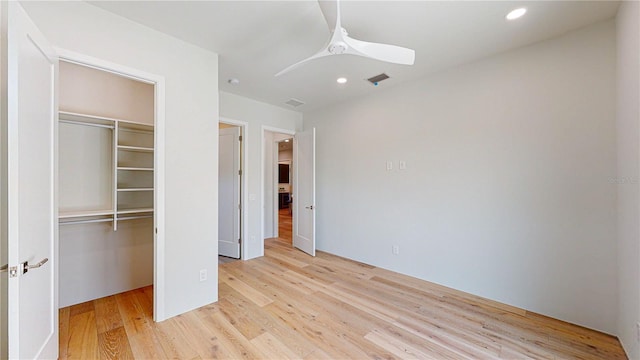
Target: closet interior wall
pixel 106 181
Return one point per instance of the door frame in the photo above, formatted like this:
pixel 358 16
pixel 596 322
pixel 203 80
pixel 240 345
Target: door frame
pixel 244 185
pixel 266 128
pixel 159 291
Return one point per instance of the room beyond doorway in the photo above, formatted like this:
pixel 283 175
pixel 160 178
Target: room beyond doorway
pixel 283 180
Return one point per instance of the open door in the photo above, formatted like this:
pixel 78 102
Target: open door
pixel 32 225
pixel 229 192
pixel 304 187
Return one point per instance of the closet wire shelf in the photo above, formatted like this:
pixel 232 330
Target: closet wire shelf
pixel 120 214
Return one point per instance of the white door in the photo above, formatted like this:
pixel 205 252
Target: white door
pixel 32 205
pixel 229 192
pixel 304 187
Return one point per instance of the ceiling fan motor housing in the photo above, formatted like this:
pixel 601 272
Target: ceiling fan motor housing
pixel 338 48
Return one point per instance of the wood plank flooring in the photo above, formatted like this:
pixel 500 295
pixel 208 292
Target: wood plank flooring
pixel 285 230
pixel 288 305
pixel 285 225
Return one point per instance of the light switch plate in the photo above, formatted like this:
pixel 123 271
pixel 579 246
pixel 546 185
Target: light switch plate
pixel 389 165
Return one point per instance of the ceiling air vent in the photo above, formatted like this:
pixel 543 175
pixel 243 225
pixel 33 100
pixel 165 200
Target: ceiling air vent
pixel 376 79
pixel 294 102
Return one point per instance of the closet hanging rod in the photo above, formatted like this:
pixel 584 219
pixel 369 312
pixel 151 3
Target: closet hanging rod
pixel 86 124
pixel 85 221
pixel 135 217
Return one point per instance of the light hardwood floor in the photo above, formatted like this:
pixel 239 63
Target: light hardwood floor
pixel 289 305
pixel 285 230
pixel 285 225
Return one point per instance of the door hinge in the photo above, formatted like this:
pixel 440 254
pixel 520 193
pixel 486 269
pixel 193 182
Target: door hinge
pixel 240 172
pixel 239 241
pixel 240 138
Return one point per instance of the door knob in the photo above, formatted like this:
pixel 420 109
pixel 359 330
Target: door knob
pixel 26 267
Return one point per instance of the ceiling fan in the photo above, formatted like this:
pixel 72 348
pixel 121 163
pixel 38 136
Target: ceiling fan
pixel 341 43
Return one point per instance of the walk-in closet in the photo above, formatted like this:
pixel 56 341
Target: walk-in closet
pixel 105 183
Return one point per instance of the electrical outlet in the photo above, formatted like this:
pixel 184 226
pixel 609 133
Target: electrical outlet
pixel 638 331
pixel 395 249
pixel 203 275
pixel 402 165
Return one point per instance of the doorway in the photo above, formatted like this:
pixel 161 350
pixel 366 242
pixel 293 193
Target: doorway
pixel 230 190
pixel 278 190
pixel 283 181
pixel 110 176
pixel 106 185
pixel 300 187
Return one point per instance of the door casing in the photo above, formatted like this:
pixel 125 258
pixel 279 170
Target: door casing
pixel 262 177
pixel 158 81
pixel 243 179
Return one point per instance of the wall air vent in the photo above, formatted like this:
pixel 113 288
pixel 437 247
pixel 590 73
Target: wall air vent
pixel 294 102
pixel 375 80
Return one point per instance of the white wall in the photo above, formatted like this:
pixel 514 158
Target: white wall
pixel 112 261
pixel 506 193
pixel 628 121
pixel 191 134
pixel 257 114
pixel 4 350
pixel 285 155
pixel 90 91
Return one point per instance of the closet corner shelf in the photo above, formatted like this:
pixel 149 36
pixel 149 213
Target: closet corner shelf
pixel 126 125
pixel 135 148
pixel 83 213
pixel 135 189
pixel 134 168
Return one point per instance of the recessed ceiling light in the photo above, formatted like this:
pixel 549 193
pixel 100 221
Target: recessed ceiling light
pixel 233 81
pixel 342 80
pixel 286 140
pixel 516 13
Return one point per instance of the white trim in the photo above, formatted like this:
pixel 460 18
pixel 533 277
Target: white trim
pixel 244 216
pixel 110 67
pixel 262 192
pixel 278 130
pixel 158 81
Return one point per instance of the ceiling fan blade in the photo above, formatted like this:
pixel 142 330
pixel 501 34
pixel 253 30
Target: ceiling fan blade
pixel 328 8
pixel 384 52
pixel 321 53
pixel 341 43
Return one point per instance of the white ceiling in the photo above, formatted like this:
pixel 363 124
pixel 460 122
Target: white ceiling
pixel 256 39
